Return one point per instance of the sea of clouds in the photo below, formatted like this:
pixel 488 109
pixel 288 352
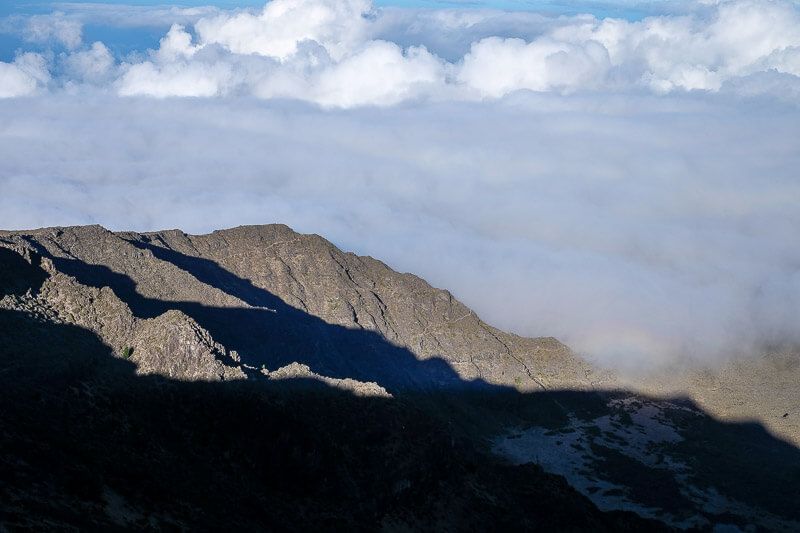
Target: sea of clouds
pixel 631 187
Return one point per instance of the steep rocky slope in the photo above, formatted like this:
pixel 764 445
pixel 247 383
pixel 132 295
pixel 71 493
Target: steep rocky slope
pixel 263 379
pixel 254 298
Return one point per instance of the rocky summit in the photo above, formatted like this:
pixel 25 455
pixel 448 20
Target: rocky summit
pixel 263 379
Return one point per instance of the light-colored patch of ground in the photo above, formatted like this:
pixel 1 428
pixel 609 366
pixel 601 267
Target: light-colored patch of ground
pixel 568 452
pixel 358 388
pixel 639 430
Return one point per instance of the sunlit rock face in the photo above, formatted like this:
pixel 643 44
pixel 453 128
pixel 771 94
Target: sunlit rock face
pixel 248 299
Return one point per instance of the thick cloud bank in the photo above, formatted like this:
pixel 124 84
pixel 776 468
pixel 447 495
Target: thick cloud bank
pixel 637 229
pixel 346 53
pixel 630 187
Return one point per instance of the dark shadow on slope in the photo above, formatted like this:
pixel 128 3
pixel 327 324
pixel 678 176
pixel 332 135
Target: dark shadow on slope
pixel 17 276
pixel 87 443
pixel 210 273
pixel 276 334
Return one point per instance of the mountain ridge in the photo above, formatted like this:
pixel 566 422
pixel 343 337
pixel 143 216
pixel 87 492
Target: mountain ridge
pixel 341 289
pixel 324 359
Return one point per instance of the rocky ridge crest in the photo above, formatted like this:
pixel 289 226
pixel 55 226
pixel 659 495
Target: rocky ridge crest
pixel 173 300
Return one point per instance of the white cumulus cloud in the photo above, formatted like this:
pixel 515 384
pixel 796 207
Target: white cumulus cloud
pixel 379 74
pixel 340 53
pixel 330 53
pixel 337 25
pixel 496 67
pixel 94 65
pixel 24 76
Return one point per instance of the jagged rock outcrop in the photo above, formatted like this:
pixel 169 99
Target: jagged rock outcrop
pixel 296 371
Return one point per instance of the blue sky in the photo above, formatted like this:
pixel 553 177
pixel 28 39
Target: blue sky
pixel 622 8
pixel 122 41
